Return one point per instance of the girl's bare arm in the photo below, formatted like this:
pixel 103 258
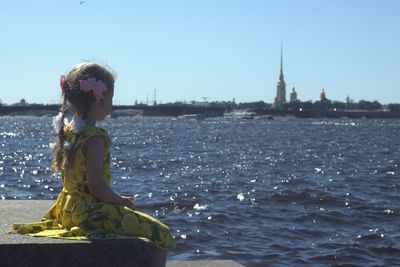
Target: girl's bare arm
pixel 96 184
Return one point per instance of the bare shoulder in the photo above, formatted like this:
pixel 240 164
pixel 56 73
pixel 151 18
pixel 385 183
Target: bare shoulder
pixel 95 140
pixel 94 145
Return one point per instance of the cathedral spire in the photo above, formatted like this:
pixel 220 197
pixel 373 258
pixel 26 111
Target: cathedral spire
pixel 280 98
pixel 281 74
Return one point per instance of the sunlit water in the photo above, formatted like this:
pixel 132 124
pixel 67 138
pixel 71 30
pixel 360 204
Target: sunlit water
pixel 263 193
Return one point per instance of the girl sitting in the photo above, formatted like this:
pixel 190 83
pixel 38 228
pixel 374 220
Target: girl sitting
pixel 87 207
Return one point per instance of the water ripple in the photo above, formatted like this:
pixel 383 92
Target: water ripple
pixel 264 193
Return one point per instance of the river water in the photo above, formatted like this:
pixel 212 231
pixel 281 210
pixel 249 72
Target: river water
pixel 286 192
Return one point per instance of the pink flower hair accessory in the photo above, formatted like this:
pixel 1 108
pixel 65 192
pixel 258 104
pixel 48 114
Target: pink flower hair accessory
pixel 62 83
pixel 98 87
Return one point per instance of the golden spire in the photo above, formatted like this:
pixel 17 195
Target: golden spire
pixel 281 74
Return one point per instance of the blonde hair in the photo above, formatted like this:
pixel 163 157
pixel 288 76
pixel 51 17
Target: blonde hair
pixel 74 100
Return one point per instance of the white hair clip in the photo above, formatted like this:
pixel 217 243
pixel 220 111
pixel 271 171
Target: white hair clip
pixel 57 123
pixel 77 124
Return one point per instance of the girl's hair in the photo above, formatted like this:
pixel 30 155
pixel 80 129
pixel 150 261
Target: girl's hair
pixel 77 100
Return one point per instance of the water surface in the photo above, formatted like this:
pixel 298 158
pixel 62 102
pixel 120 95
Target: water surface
pixel 285 192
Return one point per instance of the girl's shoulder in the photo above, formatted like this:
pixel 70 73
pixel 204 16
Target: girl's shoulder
pixel 90 131
pixel 93 130
pixel 87 132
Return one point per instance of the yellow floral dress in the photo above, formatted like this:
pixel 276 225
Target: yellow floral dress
pixel 77 214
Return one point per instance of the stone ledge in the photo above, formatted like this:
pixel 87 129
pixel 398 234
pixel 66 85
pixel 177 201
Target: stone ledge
pixel 19 250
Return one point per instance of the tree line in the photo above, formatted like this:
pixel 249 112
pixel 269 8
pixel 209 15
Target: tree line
pixel 326 105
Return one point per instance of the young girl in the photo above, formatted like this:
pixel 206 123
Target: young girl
pixel 87 207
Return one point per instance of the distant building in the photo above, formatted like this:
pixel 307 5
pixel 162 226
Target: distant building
pixel 199 104
pixel 21 103
pixel 293 95
pixel 348 100
pixel 322 96
pixel 280 98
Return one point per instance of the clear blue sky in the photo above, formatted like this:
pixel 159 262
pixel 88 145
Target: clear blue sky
pixel 219 49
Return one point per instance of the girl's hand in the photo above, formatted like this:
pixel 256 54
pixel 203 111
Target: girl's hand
pixel 128 202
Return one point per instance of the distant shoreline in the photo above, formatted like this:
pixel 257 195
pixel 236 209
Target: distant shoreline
pixel 179 110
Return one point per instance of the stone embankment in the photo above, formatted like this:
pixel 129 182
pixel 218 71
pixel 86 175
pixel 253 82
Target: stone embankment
pixel 19 250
